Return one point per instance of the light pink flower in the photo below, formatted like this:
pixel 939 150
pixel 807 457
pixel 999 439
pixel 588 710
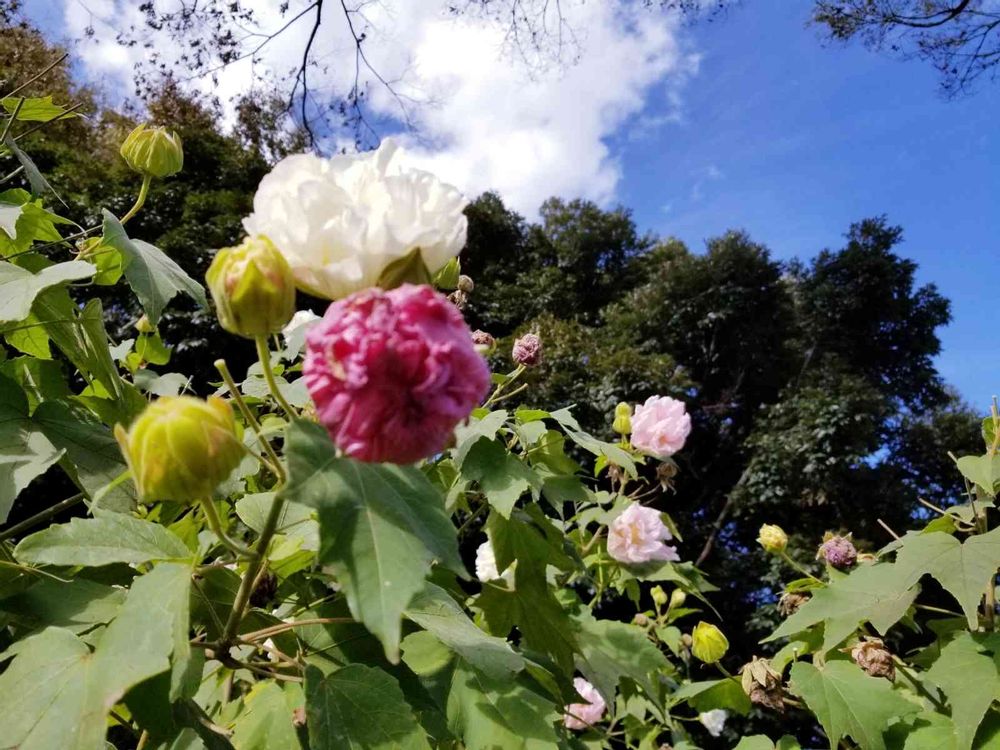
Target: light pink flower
pixel 527 350
pixel 392 373
pixel 660 426
pixel 584 715
pixel 638 536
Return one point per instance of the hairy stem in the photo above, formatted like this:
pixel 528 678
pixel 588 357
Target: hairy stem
pixel 275 462
pixel 215 524
pixel 264 355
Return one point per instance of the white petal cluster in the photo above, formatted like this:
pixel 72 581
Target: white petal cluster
pixel 341 221
pixel 486 565
pixel 714 721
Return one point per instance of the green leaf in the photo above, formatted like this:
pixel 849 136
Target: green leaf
pixel 468 434
pixel 502 477
pixel 57 694
pixel 37 181
pixel 725 693
pixel 266 720
pixel 963 663
pixel 983 471
pixel 9 214
pixel 25 453
pixel 92 456
pixel 296 521
pixel 434 610
pixel 879 594
pixel 756 742
pixel 612 650
pixel 109 538
pixel 964 569
pixel 40 109
pixel 77 605
pixel 19 287
pixel 848 702
pixel 360 707
pixel 612 452
pixel 929 731
pixel 153 276
pixel 489 713
pixel 381 527
pixel 410 269
pixel 29 336
pixel 33 223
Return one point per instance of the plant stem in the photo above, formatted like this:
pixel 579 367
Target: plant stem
pixel 143 192
pixel 500 388
pixel 275 629
pixel 215 524
pixel 257 558
pixel 13 116
pixel 42 516
pixel 275 462
pixel 264 355
pixel 919 686
pixel 787 558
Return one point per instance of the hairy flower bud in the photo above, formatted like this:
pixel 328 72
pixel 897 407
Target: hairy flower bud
pixel 762 684
pixel 623 419
pixel 708 643
pixel 153 152
pixel 838 551
pixel 659 596
pixel 527 350
pixel 772 538
pixel 873 657
pixel 790 602
pixel 484 342
pixel 252 287
pixel 180 448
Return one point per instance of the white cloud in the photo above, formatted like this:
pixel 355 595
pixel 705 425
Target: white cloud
pixel 481 117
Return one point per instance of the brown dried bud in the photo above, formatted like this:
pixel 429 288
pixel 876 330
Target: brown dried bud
pixel 873 657
pixel 790 602
pixel 762 684
pixel 465 284
pixel 459 299
pixel 665 474
pixel 264 593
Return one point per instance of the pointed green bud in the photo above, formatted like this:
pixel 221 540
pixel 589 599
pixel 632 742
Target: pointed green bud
pixel 677 598
pixel 623 419
pixel 253 288
pixel 708 643
pixel 180 448
pixel 153 152
pixel 659 596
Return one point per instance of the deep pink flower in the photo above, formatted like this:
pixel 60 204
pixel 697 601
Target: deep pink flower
pixel 638 536
pixel 392 373
pixel 527 350
pixel 660 426
pixel 839 551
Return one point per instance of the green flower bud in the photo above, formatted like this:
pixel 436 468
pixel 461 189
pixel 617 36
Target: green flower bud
pixel 153 152
pixel 623 419
pixel 677 598
pixel 253 288
pixel 180 448
pixel 142 325
pixel 772 538
pixel 708 643
pixel 659 596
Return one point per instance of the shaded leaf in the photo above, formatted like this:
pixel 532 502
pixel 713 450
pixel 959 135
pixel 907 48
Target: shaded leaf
pixel 19 287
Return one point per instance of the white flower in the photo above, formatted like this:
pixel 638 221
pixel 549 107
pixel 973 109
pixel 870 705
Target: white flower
pixel 486 565
pixel 584 715
pixel 714 721
pixel 341 221
pixel 295 332
pixel 638 536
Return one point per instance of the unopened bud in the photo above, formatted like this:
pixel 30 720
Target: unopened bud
pixel 180 448
pixel 459 299
pixel 677 598
pixel 465 284
pixel 708 643
pixel 772 538
pixel 838 551
pixel 527 350
pixel 484 342
pixel 641 620
pixel 142 325
pixel 659 596
pixel 762 684
pixel 873 657
pixel 153 152
pixel 623 419
pixel 253 288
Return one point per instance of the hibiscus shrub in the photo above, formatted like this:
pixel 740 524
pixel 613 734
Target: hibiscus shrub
pixel 288 563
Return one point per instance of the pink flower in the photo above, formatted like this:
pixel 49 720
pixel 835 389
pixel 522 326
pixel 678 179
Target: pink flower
pixel 392 373
pixel 527 350
pixel 660 426
pixel 584 715
pixel 638 536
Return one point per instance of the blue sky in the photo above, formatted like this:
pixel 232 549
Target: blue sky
pixel 792 141
pixel 775 133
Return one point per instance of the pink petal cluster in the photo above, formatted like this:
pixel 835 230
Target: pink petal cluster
pixel 638 536
pixel 660 426
pixel 392 373
pixel 584 715
pixel 527 350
